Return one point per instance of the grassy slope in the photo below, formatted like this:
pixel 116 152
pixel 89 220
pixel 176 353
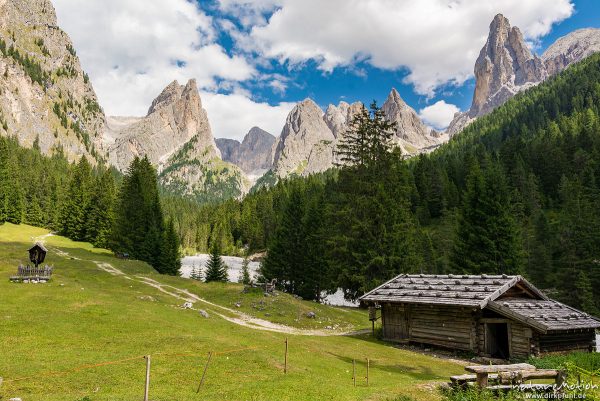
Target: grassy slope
pixel 86 316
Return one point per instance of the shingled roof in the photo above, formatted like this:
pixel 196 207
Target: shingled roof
pixel 457 290
pixel 545 315
pixel 40 245
pixel 481 291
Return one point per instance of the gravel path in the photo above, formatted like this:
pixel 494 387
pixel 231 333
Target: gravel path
pixel 226 313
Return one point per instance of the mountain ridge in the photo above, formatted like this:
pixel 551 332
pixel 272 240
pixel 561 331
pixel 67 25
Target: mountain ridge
pixel 506 66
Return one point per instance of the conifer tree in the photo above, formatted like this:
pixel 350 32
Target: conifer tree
pixel 488 240
pixel 76 208
pixel 584 294
pixel 12 202
pixel 216 269
pixel 371 230
pixel 284 260
pixel 101 215
pixel 139 222
pixel 34 215
pixel 196 273
pixel 170 258
pixel 245 273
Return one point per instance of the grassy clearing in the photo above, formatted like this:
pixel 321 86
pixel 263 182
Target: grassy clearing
pixel 86 316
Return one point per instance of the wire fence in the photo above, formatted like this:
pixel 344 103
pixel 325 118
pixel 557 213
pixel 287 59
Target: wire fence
pixel 117 361
pixel 12 383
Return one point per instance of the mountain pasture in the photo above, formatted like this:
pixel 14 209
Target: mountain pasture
pixel 84 334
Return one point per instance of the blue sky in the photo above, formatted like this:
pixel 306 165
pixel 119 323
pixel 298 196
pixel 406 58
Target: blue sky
pixel 253 59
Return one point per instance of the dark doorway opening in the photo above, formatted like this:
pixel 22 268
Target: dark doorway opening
pixel 497 340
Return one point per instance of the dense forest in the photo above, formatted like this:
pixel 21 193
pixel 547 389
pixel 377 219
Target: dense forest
pixel 87 203
pixel 517 192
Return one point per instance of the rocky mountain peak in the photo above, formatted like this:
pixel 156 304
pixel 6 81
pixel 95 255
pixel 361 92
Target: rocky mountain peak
pixel 54 102
pixel 339 117
pixel 411 133
pixel 252 155
pixel 306 142
pixel 174 93
pixel 570 49
pixel 174 118
pixel 395 99
pixel 504 67
pixel 255 136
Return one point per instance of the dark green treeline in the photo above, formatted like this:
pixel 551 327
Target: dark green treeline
pixel 517 192
pixel 87 203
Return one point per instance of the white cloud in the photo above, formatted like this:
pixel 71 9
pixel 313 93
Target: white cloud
pixel 131 49
pixel 232 116
pixel 437 40
pixel 439 114
pixel 249 12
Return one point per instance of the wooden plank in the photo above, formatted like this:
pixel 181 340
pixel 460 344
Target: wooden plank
pixel 519 377
pixel 523 387
pixel 470 378
pixel 499 368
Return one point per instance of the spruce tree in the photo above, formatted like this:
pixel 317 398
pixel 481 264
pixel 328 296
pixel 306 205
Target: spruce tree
pixel 216 269
pixel 12 200
pixel 15 200
pixel 584 295
pixel 139 222
pixel 34 215
pixel 284 260
pixel 371 232
pixel 4 182
pixel 101 215
pixel 245 273
pixel 196 273
pixel 76 208
pixel 170 258
pixel 487 239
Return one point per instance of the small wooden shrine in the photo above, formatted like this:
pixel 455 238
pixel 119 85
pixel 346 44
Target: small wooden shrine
pixel 35 273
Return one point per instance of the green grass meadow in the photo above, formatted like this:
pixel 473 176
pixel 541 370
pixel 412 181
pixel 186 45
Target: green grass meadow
pixel 57 338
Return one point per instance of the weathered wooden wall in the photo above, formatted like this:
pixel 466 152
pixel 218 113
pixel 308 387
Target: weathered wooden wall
pixel 520 340
pixel 445 326
pixel 462 328
pixel 567 341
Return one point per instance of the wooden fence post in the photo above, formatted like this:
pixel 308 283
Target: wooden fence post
pixel 204 372
pixel 354 372
pixel 286 356
pixel 147 387
pixel 368 372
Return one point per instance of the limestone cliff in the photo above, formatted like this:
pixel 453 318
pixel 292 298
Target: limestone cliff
pixel 305 133
pixel 174 118
pixel 252 155
pixel 506 66
pixel 44 93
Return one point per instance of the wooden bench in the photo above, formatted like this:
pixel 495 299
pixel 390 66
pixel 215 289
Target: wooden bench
pixel 482 372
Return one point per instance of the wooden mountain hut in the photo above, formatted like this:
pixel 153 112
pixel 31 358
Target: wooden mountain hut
pixel 492 316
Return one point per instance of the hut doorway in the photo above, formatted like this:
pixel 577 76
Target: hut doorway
pixel 496 340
